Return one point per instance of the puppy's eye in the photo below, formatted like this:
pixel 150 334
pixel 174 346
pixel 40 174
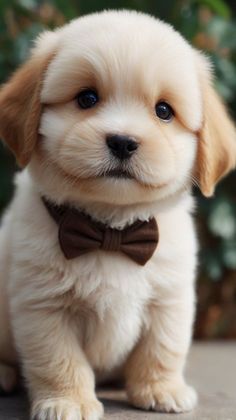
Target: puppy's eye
pixel 164 111
pixel 87 98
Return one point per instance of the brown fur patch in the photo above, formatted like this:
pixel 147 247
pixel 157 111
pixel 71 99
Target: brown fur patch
pixel 217 141
pixel 20 108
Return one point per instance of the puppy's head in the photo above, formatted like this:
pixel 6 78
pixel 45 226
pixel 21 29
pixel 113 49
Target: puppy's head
pixel 117 108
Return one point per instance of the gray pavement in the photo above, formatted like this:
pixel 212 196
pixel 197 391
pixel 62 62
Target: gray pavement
pixel 211 369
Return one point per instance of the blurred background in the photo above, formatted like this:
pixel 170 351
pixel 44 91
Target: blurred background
pixel 209 25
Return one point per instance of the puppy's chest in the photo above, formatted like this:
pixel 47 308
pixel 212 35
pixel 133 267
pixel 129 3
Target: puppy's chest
pixel 110 310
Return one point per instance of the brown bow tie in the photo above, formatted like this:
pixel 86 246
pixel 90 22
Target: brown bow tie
pixel 79 234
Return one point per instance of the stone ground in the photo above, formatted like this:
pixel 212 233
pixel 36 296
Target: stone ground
pixel 211 369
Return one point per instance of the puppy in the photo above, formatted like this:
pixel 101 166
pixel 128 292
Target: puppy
pixel 113 119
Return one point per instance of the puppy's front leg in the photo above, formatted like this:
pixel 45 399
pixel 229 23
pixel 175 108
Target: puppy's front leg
pixel 60 379
pixel 154 371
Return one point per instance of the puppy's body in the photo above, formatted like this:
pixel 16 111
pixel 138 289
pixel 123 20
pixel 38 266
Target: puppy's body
pixel 107 296
pixel 102 313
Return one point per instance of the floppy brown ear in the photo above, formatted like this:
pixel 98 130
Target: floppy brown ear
pixel 217 136
pixel 20 108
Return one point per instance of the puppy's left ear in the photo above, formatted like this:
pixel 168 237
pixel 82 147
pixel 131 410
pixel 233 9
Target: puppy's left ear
pixel 217 136
pixel 20 107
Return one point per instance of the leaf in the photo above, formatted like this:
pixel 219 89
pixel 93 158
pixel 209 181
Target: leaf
pixel 217 6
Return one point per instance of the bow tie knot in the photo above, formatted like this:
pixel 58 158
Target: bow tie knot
pixel 78 234
pixel 111 240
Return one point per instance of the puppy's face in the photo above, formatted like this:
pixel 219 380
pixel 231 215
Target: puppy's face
pixel 122 109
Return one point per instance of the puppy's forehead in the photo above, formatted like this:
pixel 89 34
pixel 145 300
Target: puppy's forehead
pixel 125 54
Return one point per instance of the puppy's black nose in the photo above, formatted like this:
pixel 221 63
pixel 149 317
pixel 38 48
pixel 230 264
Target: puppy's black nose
pixel 121 146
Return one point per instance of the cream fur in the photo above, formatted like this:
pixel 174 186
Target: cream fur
pixel 90 318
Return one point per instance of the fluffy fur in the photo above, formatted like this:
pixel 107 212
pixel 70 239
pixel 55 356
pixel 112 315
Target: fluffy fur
pixel 101 315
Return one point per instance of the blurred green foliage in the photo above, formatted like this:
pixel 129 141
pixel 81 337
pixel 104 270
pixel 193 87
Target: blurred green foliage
pixel 209 25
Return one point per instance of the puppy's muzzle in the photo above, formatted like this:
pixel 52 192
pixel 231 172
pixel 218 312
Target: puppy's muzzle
pixel 121 146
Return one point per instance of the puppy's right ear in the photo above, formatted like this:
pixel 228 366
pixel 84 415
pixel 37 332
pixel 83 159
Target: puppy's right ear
pixel 20 106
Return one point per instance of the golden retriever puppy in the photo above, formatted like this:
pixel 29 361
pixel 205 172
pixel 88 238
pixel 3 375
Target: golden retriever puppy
pixel 113 118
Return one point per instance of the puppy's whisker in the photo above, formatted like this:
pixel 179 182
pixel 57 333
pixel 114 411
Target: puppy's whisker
pixel 194 180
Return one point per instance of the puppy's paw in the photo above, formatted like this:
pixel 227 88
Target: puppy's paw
pixel 8 379
pixel 66 409
pixel 176 397
pixel 92 410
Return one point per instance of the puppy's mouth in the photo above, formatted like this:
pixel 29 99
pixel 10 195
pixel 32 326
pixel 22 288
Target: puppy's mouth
pixel 119 173
pixel 124 173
